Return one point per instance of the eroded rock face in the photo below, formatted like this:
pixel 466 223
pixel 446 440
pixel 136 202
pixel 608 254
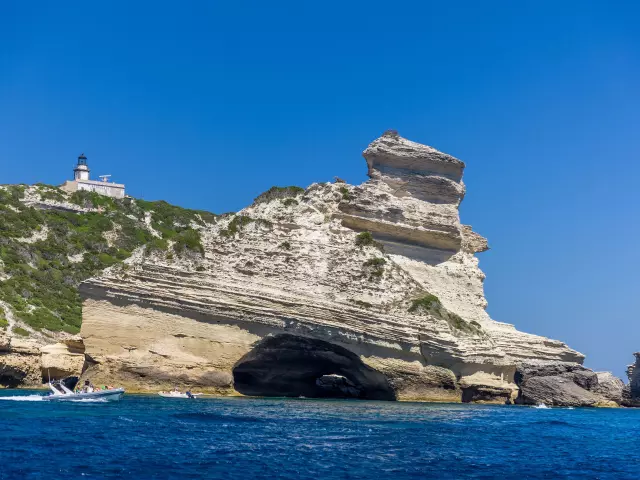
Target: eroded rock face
pixel 563 384
pixel 296 266
pixel 486 394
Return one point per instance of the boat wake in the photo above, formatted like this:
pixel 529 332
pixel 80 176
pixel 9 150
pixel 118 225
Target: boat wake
pixel 24 398
pixel 40 398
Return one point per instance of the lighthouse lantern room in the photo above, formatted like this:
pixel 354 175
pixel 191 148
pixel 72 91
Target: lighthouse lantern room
pixel 81 172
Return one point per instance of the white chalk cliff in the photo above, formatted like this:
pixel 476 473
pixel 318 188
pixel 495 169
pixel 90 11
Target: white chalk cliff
pixel 289 299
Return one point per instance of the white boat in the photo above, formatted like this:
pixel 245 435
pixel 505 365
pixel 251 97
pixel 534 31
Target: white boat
pixel 60 393
pixel 176 394
pixel 542 405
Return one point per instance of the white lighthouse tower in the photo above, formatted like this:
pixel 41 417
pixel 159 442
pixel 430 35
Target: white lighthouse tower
pixel 81 172
pixel 81 182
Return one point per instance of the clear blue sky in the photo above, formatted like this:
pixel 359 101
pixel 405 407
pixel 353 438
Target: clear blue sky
pixel 207 104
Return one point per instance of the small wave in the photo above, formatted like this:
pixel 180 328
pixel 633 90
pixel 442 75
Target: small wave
pixel 24 398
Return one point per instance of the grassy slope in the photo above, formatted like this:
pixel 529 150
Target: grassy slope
pixel 39 279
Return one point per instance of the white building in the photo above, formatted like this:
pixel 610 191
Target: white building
pixel 81 182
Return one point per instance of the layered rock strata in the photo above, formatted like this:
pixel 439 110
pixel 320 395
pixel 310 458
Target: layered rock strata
pixel 376 284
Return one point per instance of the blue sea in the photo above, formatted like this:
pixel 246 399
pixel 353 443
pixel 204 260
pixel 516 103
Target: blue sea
pixel 151 437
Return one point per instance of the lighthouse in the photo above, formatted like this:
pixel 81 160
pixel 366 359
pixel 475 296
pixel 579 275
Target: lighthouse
pixel 81 172
pixel 81 181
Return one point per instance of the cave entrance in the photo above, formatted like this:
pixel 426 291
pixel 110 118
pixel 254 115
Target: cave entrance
pixel 291 366
pixel 11 377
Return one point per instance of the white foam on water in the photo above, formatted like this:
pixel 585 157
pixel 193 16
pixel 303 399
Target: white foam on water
pixel 89 400
pixel 24 398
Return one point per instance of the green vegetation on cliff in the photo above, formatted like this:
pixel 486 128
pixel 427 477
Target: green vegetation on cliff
pixel 47 249
pixel 275 193
pixel 238 222
pixel 365 239
pixel 430 304
pixel 375 267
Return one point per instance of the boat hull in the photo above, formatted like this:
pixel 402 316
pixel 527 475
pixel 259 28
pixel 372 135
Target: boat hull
pixel 178 395
pixel 107 395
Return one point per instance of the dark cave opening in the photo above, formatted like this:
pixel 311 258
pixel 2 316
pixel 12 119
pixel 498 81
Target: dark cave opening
pixel 11 377
pixel 292 366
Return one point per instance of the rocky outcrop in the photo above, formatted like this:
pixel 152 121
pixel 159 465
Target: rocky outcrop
pixel 377 283
pixel 609 386
pixel 564 384
pixel 631 392
pixel 482 388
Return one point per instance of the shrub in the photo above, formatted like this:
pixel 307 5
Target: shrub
pixel 158 245
pixel 207 217
pixel 346 195
pixel 288 202
pixel 432 304
pixel 364 239
pixel 237 223
pixel 12 194
pixel 48 192
pixel 275 193
pixel 285 245
pixel 88 199
pixel 41 318
pixel 200 268
pixel 458 323
pixel 426 302
pixel 375 266
pixel 171 219
pixel 122 254
pixel 375 262
pixel 21 331
pixel 188 239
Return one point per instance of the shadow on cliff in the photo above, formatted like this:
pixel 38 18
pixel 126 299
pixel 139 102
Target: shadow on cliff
pixel 291 366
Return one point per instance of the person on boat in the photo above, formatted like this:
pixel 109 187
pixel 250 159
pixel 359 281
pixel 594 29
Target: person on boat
pixel 88 387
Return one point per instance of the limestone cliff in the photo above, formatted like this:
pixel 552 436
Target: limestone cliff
pixel 372 290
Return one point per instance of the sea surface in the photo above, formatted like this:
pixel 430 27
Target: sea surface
pixel 152 437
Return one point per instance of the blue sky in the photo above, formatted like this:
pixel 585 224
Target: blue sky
pixel 207 104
